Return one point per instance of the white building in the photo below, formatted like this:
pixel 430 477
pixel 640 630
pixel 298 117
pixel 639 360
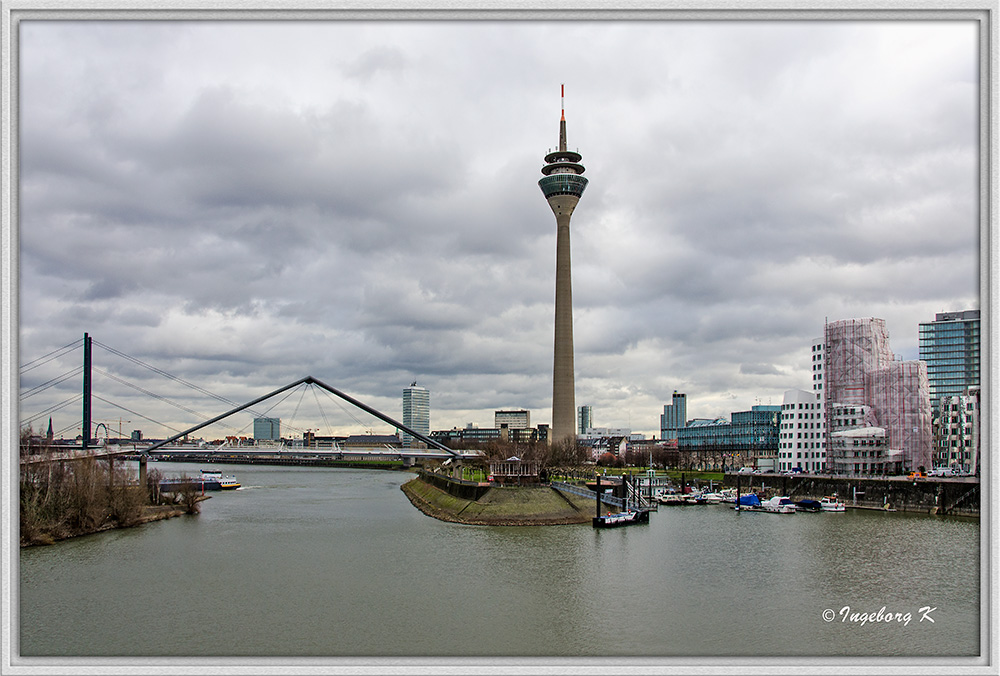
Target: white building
pixel 957 432
pixel 863 451
pixel 802 432
pixel 514 420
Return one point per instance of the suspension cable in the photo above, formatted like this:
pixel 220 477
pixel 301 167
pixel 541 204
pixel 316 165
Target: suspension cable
pixel 128 410
pixel 35 363
pixel 54 381
pixel 51 409
pixel 164 373
pixel 157 396
pixel 329 427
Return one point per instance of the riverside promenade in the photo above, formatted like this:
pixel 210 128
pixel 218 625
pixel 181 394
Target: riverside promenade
pixel 958 496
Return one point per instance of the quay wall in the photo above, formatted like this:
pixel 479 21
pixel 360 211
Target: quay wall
pixel 926 496
pixel 460 488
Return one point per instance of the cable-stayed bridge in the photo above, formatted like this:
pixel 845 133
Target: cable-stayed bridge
pixel 91 446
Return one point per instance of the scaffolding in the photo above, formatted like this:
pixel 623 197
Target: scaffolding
pixel 902 401
pixel 860 371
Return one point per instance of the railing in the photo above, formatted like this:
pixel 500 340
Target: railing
pixel 586 493
pixel 636 497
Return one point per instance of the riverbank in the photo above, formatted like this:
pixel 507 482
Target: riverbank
pixel 514 506
pixel 150 513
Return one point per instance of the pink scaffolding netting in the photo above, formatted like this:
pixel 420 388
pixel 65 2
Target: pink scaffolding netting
pixel 860 370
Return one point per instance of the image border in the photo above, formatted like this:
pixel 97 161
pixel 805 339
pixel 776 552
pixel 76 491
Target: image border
pixel 12 13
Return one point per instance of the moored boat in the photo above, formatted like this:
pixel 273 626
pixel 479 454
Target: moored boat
pixel 808 506
pixel 831 504
pixel 779 504
pixel 625 518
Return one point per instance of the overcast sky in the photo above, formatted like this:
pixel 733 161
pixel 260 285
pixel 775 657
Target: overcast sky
pixel 245 204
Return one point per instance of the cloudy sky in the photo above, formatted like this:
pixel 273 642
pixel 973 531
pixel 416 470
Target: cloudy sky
pixel 244 204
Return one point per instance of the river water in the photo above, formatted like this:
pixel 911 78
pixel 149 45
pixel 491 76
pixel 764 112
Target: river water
pixel 337 562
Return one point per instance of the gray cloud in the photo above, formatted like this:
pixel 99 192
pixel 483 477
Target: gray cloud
pixel 242 204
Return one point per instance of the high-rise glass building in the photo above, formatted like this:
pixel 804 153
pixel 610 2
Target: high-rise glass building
pixel 674 416
pixel 416 412
pixel 950 347
pixel 268 429
pixel 585 419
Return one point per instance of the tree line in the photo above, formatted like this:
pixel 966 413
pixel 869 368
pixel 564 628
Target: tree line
pixel 62 499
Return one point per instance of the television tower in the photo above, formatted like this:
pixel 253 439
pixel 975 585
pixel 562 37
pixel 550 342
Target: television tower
pixel 562 186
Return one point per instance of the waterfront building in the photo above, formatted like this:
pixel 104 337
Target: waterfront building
pixel 475 434
pixel 674 416
pixel 750 439
pixel 267 429
pixel 863 451
pixel 950 347
pixel 416 412
pixel 585 419
pixel 860 374
pixel 956 440
pixel 802 436
pixel 372 442
pixel 563 185
pixel 513 419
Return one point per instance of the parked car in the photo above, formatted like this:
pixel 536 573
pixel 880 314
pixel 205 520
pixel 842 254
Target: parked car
pixel 916 475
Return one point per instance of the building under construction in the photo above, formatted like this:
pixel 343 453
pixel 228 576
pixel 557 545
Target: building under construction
pixel 862 375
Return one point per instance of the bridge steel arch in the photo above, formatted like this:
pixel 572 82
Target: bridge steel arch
pixel 309 380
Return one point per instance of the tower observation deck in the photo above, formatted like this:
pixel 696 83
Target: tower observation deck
pixel 562 184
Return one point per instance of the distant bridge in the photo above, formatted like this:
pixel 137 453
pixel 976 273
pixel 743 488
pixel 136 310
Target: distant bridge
pixel 166 448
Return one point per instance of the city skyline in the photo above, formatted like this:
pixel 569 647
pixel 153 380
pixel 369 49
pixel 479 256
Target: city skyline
pixel 320 199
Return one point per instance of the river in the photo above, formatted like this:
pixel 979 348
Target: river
pixel 336 562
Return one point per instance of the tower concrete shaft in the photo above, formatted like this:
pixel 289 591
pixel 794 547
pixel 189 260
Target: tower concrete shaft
pixel 562 186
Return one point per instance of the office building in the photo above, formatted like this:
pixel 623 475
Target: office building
pixel 950 347
pixel 863 383
pixel 802 438
pixel 563 185
pixel 956 438
pixel 750 439
pixel 585 419
pixel 674 416
pixel 416 412
pixel 512 419
pixel 267 429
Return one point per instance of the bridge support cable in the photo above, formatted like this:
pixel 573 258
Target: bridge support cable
pixel 308 380
pixel 321 411
pixel 381 416
pixel 217 418
pixel 52 409
pixel 128 410
pixel 163 373
pixel 152 394
pixel 46 358
pixel 51 383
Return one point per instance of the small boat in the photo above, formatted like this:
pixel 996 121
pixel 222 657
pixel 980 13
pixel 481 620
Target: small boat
pixel 779 504
pixel 625 518
pixel 808 506
pixel 749 502
pixel 831 504
pixel 711 498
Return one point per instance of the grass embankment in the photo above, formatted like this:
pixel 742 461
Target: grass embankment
pixel 534 506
